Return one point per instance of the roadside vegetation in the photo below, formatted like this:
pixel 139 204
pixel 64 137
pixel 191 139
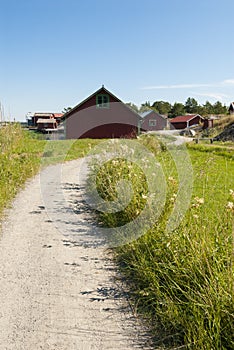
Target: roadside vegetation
pixel 19 159
pixel 181 281
pixel 21 155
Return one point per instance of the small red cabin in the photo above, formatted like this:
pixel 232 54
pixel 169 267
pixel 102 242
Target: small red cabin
pixel 186 121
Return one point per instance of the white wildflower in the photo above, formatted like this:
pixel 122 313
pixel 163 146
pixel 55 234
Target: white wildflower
pixel 230 206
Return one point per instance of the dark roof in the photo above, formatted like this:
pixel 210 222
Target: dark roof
pixel 185 118
pixel 102 89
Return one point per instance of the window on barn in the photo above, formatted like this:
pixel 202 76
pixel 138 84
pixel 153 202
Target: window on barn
pixel 102 101
pixel 152 122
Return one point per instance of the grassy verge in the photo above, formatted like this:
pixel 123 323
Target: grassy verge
pixel 19 160
pixel 182 281
pixel 21 157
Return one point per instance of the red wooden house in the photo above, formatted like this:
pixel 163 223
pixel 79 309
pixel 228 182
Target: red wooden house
pixel 101 115
pixel 152 121
pixel 43 121
pixel 186 121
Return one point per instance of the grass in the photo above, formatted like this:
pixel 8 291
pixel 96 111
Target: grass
pixel 19 160
pixel 182 281
pixel 22 155
pixel 221 123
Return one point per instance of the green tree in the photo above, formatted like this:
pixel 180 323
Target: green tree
pixel 66 109
pixel 162 107
pixel 208 108
pixel 132 106
pixel 177 109
pixel 145 107
pixel 218 108
pixel 191 105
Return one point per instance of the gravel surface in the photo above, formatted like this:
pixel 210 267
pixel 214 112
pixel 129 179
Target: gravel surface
pixel 59 288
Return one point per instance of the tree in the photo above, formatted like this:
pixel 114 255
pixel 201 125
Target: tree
pixel 66 109
pixel 177 109
pixel 145 107
pixel 207 108
pixel 132 106
pixel 218 108
pixel 162 107
pixel 191 105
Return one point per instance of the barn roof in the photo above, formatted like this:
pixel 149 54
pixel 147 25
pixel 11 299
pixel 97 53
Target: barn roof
pixel 185 118
pixel 101 90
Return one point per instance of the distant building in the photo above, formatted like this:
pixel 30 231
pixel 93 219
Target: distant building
pixel 44 122
pixel 231 108
pixel 153 121
pixel 186 121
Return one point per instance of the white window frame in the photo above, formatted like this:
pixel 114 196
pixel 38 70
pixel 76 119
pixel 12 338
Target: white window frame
pixel 152 122
pixel 105 101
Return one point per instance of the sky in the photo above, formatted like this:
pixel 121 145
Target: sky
pixel 55 53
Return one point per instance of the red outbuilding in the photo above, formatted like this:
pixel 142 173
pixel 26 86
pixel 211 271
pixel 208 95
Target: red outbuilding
pixel 186 121
pixel 101 115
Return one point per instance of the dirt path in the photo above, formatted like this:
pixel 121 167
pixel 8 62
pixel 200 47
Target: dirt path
pixel 59 290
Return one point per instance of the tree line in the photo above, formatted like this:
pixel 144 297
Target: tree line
pixel 190 106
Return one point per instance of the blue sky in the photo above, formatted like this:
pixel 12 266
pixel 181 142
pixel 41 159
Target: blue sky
pixel 55 53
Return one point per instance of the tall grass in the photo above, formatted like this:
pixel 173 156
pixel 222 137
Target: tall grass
pixel 19 160
pixel 182 281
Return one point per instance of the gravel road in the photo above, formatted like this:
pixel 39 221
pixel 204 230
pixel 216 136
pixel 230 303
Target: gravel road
pixel 59 288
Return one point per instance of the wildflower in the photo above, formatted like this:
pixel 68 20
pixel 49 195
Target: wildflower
pixel 195 216
pixel 231 193
pixel 143 196
pixel 173 198
pixel 230 206
pixel 172 180
pixel 199 200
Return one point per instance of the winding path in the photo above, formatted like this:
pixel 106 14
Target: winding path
pixel 59 289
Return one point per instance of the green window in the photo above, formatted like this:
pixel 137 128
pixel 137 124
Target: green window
pixel 102 101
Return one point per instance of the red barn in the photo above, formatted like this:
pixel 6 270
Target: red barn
pixel 101 115
pixel 153 121
pixel 186 121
